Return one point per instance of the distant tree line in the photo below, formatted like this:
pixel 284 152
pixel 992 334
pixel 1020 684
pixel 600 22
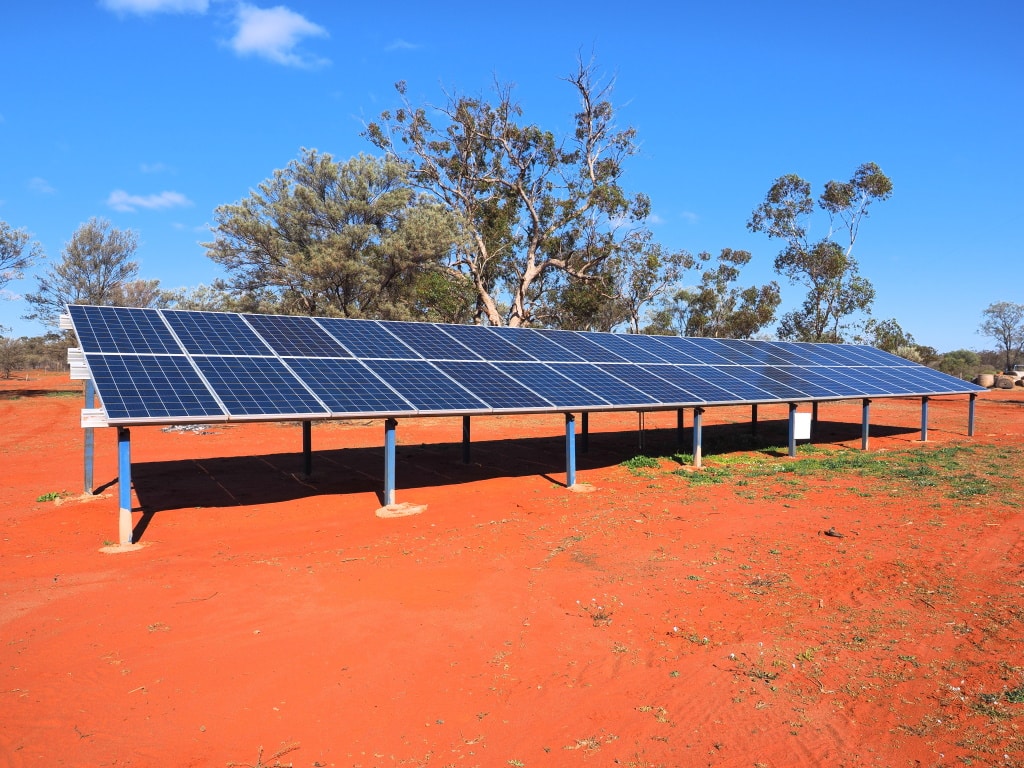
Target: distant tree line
pixel 474 215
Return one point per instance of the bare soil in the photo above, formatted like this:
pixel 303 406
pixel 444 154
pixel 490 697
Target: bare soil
pixel 670 617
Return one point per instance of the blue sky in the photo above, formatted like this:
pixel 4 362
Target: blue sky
pixel 151 113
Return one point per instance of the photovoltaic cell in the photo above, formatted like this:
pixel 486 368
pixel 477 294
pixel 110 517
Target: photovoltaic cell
pixel 365 338
pixel 431 342
pixel 628 346
pixel 151 387
pixel 295 336
pixel 214 333
pixel 487 342
pixel 123 330
pixel 491 385
pixel 663 347
pixel 425 386
pixel 604 385
pixel 702 390
pixel 730 382
pixel 257 386
pixel 552 385
pixel 347 386
pixel 582 346
pixel 537 345
pixel 701 353
pixel 799 383
pixel 659 389
pixel 725 348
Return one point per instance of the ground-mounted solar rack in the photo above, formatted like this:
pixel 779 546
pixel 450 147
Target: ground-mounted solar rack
pixel 168 366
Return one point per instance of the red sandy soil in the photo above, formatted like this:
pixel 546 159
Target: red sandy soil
pixel 269 619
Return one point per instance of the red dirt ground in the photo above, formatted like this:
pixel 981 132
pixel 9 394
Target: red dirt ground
pixel 270 619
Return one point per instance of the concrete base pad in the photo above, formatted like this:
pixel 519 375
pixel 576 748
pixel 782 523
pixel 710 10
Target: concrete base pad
pixel 583 488
pixel 116 549
pixel 405 509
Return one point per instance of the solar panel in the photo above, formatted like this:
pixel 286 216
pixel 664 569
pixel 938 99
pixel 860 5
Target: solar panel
pixel 726 349
pixel 288 335
pixel 787 377
pixel 494 387
pixel 582 346
pixel 487 342
pixel 346 386
pixel 214 333
pixel 661 390
pixel 258 386
pixel 426 386
pixel 151 387
pixel 663 347
pixel 690 380
pixel 604 385
pixel 629 347
pixel 431 341
pixel 365 338
pixel 728 378
pixel 553 386
pixel 537 345
pixel 122 330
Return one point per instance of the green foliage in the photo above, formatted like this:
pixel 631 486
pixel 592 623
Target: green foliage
pixel 16 253
pixel 960 362
pixel 324 238
pixel 51 496
pixel 96 268
pixel 12 355
pixel 530 204
pixel 1004 322
pixel 836 292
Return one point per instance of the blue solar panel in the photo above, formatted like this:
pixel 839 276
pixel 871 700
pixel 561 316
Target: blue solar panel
pixel 487 342
pixel 122 329
pixel 802 354
pixel 646 381
pixel 775 385
pixel 537 345
pixel 604 385
pixel 295 336
pixel 431 341
pixel 932 380
pixel 810 385
pixel 491 385
pixel 729 379
pixel 628 346
pixel 258 386
pixel 554 387
pixel 148 387
pixel 667 348
pixel 425 386
pixel 365 338
pixel 346 386
pixel 726 348
pixel 872 383
pixel 701 353
pixel 214 333
pixel 691 380
pixel 582 346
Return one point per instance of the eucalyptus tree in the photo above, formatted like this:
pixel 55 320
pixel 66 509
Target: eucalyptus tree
pixel 96 267
pixel 1003 321
pixel 326 238
pixel 836 291
pixel 530 203
pixel 16 253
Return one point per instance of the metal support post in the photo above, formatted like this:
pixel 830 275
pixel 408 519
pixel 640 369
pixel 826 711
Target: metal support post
pixel 814 417
pixel 90 437
pixel 924 419
pixel 124 485
pixel 680 423
pixel 389 461
pixel 640 429
pixel 865 421
pixel 970 415
pixel 465 439
pixel 570 450
pixel 307 448
pixel 753 419
pixel 585 432
pixel 698 414
pixel 792 430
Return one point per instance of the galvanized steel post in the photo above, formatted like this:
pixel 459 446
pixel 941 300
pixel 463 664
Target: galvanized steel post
pixel 465 439
pixel 570 450
pixel 698 414
pixel 792 430
pixel 307 448
pixel 124 485
pixel 924 419
pixel 864 423
pixel 585 432
pixel 389 461
pixel 90 437
pixel 970 415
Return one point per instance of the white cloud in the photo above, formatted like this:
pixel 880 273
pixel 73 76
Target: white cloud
pixel 690 217
pixel 120 200
pixel 154 168
pixel 401 45
pixel 40 186
pixel 274 33
pixel 146 7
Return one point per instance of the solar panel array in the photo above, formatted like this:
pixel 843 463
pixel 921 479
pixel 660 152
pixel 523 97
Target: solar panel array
pixel 167 366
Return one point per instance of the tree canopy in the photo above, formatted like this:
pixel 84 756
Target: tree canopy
pixel 1003 321
pixel 348 239
pixel 96 267
pixel 16 253
pixel 530 203
pixel 836 292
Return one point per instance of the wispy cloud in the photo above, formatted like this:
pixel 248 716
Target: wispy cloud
pixel 40 186
pixel 155 168
pixel 120 200
pixel 401 45
pixel 689 217
pixel 147 7
pixel 274 33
